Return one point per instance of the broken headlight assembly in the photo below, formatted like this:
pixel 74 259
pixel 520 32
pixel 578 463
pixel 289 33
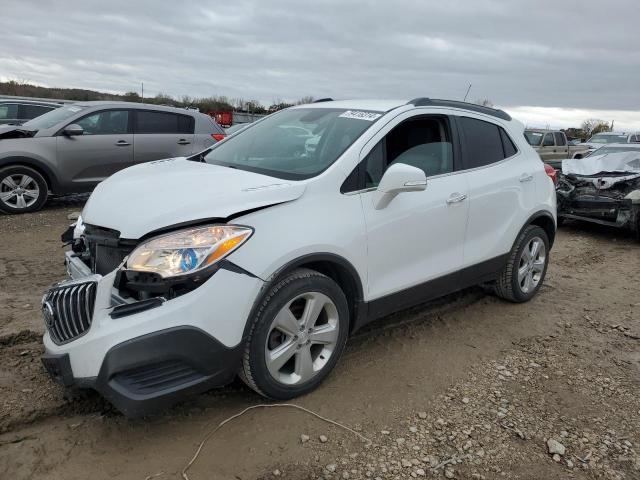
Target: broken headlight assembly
pixel 179 261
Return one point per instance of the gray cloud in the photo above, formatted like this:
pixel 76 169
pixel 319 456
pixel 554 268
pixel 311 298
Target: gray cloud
pixel 568 54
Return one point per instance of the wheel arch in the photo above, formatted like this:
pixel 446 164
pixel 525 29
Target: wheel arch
pixel 37 165
pixel 543 219
pixel 339 269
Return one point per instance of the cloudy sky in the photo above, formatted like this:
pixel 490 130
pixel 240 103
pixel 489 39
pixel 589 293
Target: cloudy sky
pixel 549 62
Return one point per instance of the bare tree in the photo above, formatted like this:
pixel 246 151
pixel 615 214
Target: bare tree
pixel 485 102
pixel 304 100
pixel 592 126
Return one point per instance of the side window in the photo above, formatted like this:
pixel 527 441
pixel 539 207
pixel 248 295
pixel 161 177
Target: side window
pixel 33 111
pixel 507 144
pixel 482 142
pixel 635 139
pixel 8 111
pixel 548 140
pixel 423 142
pixel 559 139
pixel 163 122
pixel 109 122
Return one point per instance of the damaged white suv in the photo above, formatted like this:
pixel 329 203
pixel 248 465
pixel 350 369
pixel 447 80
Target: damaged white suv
pixel 259 256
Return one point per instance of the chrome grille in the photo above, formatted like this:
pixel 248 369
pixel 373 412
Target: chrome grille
pixel 68 310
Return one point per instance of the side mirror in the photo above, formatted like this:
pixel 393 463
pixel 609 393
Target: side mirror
pixel 73 130
pixel 399 178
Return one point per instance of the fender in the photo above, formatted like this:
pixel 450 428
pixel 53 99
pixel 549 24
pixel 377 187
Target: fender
pixel 49 175
pixel 358 308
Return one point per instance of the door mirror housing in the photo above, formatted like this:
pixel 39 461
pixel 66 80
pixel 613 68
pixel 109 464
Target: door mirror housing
pixel 73 130
pixel 399 178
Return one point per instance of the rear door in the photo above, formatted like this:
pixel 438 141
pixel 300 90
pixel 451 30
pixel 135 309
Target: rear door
pixel 162 135
pixel 105 147
pixel 501 190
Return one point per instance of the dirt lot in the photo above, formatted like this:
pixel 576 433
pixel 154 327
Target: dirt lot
pixel 468 387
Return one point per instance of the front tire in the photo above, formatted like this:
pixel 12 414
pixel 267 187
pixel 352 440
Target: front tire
pixel 526 268
pixel 297 335
pixel 22 190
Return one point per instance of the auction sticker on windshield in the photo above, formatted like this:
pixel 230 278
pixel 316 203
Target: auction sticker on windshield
pixel 360 115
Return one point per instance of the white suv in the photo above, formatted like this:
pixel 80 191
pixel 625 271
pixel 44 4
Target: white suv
pixel 260 256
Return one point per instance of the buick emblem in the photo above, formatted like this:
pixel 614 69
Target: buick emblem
pixel 48 313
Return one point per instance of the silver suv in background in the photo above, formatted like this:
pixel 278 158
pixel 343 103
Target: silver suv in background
pixel 73 148
pixel 18 111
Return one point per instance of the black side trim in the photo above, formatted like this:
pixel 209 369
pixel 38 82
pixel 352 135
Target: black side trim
pixel 434 102
pixel 550 221
pixel 358 305
pixel 467 277
pixel 154 371
pixel 59 368
pixel 137 307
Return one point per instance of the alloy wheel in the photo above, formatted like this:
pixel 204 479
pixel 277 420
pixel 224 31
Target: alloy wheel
pixel 302 338
pixel 531 265
pixel 19 191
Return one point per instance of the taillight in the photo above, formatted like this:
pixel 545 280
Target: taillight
pixel 553 175
pixel 218 137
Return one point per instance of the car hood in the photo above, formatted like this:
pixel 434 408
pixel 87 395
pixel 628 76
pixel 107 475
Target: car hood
pixel 604 171
pixel 165 193
pixel 16 131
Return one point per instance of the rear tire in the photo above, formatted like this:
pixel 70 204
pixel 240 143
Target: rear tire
pixel 22 190
pixel 297 335
pixel 526 268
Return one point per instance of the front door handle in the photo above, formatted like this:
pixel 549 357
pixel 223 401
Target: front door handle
pixel 526 177
pixel 456 198
pixel 182 141
pixel 122 143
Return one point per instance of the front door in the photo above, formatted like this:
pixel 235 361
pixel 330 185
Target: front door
pixel 415 243
pixel 105 147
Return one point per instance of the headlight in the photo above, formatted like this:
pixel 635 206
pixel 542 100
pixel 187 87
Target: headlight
pixel 187 251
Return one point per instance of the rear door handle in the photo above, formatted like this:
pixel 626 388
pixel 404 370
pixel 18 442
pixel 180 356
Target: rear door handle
pixel 456 198
pixel 526 177
pixel 122 143
pixel 182 141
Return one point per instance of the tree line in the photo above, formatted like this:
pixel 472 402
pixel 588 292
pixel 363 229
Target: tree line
pixel 204 104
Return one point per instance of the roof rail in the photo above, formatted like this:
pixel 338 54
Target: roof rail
pixel 428 102
pixel 328 99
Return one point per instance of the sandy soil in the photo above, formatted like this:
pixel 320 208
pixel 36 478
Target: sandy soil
pixel 466 387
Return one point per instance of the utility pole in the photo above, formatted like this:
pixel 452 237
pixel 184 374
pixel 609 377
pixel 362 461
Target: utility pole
pixel 142 95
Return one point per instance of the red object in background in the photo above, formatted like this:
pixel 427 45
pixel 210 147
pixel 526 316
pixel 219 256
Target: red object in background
pixel 224 119
pixel 218 137
pixel 553 175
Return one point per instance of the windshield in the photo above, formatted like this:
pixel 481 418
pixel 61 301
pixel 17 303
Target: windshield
pixel 534 138
pixel 293 144
pixel 608 139
pixel 53 117
pixel 613 149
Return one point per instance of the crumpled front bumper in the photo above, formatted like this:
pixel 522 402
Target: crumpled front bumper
pixel 147 359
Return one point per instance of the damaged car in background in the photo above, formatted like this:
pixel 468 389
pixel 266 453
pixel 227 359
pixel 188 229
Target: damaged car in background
pixel 603 189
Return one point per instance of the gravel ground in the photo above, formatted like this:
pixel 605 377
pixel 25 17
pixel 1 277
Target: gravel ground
pixel 466 387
